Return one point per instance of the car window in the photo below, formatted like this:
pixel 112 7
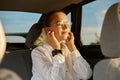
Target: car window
pixel 69 18
pixel 92 19
pixel 17 23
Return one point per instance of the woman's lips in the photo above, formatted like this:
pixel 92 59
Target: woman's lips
pixel 65 32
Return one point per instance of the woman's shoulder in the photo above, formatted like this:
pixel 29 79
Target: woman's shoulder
pixel 42 49
pixel 38 49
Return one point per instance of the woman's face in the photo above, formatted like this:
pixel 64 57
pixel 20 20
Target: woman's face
pixel 59 25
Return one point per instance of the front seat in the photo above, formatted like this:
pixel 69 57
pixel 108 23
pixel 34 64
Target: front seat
pixel 2 42
pixel 109 68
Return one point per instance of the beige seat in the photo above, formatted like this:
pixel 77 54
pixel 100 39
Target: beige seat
pixel 2 42
pixel 109 69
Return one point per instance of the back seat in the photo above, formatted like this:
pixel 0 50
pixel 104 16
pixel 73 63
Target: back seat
pixel 19 62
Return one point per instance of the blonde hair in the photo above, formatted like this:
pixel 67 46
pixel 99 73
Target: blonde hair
pixel 41 39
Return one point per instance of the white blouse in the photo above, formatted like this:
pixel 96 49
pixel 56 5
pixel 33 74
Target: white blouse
pixel 70 66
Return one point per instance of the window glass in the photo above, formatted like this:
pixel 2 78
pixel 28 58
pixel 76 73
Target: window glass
pixel 17 23
pixel 92 19
pixel 69 18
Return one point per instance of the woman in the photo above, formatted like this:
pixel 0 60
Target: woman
pixel 56 57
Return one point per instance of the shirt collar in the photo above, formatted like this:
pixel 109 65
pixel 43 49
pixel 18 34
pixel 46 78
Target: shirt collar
pixel 46 45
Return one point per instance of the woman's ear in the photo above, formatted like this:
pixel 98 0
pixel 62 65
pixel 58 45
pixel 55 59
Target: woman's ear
pixel 47 29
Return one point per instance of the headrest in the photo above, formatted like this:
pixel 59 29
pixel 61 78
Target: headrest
pixel 32 35
pixel 110 34
pixel 2 42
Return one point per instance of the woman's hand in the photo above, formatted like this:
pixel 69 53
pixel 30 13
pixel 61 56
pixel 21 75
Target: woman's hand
pixel 70 42
pixel 51 39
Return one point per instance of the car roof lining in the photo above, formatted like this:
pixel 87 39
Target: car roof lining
pixel 38 6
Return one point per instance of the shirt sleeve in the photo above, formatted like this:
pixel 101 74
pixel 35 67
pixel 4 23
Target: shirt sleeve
pixel 80 66
pixel 46 69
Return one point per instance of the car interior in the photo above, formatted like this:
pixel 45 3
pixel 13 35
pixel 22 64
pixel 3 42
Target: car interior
pixel 104 59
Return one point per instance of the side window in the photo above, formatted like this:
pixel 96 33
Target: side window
pixel 92 19
pixel 69 17
pixel 17 23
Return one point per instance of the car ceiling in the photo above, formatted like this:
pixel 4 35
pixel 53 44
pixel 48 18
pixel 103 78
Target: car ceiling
pixel 39 6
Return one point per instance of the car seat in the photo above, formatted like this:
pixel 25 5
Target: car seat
pixel 109 68
pixel 16 65
pixel 2 42
pixel 33 35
